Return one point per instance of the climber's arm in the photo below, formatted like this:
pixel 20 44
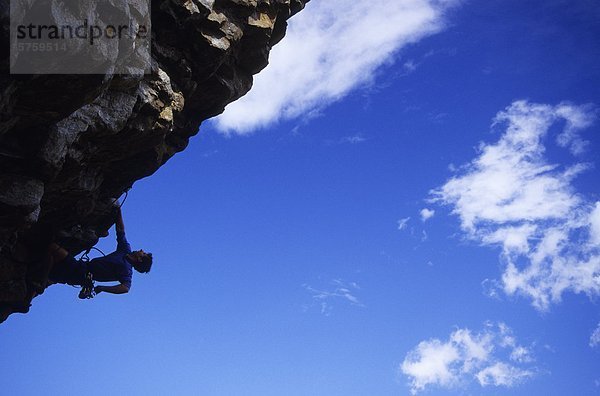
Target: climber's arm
pixel 119 224
pixel 117 289
pixel 122 244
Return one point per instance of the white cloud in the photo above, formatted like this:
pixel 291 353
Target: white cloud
pixel 402 223
pixel 431 363
pixel 595 225
pixel 595 337
pixel 521 354
pixel 331 48
pixel 465 357
pixel 511 196
pixel 340 290
pixel 518 353
pixel 501 374
pixel 426 214
pixel 576 120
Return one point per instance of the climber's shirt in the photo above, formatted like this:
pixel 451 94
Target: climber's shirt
pixel 114 266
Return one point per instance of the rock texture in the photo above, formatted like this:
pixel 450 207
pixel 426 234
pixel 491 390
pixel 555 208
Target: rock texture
pixel 70 144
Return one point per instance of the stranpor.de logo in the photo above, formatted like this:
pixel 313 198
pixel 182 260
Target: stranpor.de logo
pixel 80 37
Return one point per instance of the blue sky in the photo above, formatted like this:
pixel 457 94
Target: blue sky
pixel 407 201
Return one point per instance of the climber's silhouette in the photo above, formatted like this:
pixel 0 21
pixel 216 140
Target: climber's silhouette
pixel 114 267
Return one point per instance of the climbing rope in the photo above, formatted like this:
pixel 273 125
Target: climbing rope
pixel 85 258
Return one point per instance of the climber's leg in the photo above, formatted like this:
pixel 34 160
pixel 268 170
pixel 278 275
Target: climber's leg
pixel 58 253
pixel 54 255
pixel 57 265
pixel 65 268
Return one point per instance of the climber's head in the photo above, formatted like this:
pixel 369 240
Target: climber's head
pixel 141 261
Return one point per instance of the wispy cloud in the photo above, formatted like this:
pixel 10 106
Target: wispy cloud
pixel 426 214
pixel 595 337
pixel 210 153
pixel 409 66
pixel 331 48
pixel 354 139
pixel 492 357
pixel 512 196
pixel 501 374
pixel 403 223
pixel 338 290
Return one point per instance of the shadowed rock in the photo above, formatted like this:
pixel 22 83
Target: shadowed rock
pixel 70 144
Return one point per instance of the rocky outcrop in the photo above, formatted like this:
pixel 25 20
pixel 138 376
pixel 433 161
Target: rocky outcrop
pixel 71 144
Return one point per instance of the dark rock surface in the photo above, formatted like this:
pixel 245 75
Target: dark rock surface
pixel 71 144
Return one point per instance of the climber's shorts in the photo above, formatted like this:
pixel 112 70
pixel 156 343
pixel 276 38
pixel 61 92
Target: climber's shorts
pixel 70 271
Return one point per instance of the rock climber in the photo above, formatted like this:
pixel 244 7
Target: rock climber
pixel 114 267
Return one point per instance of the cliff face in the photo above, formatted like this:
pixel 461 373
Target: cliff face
pixel 71 144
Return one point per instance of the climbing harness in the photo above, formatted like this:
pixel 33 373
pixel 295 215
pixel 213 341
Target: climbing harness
pixel 87 286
